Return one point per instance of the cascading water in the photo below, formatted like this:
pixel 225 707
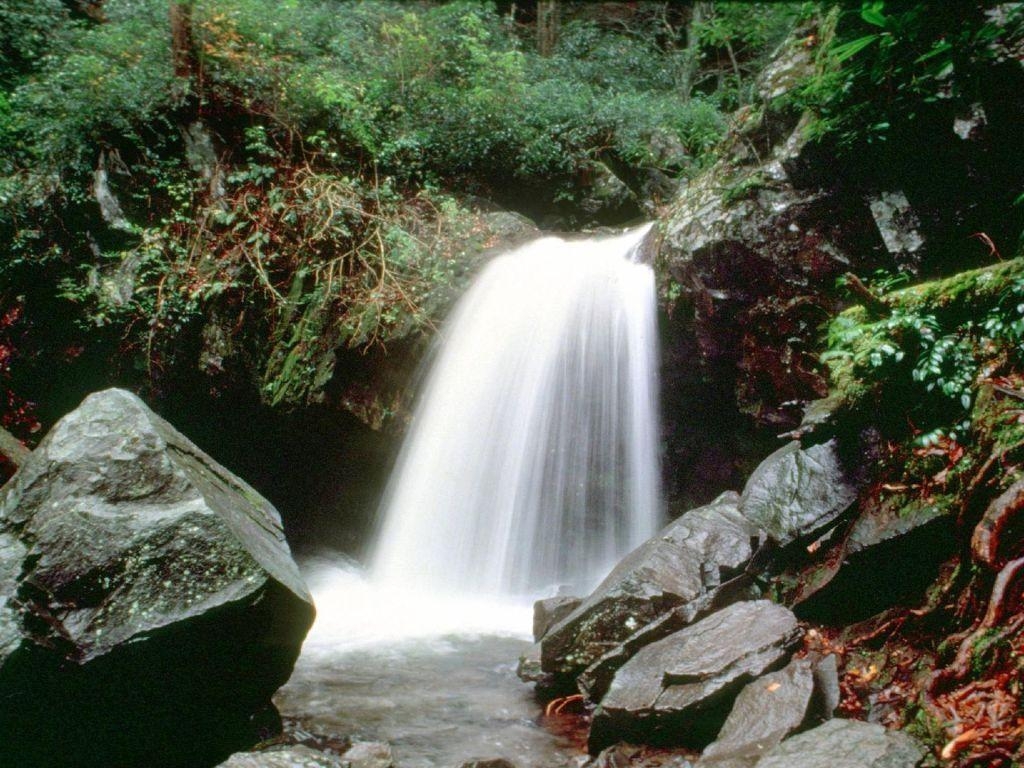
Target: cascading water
pixel 531 462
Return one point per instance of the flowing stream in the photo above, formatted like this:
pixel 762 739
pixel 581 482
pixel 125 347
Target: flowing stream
pixel 530 468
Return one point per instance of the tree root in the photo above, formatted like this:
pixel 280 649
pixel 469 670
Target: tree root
pixel 987 541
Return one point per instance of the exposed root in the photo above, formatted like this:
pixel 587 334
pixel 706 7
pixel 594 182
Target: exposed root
pixel 987 541
pixel 557 706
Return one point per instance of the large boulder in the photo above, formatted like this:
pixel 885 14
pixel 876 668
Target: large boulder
pixel 845 744
pixel 679 689
pixel 149 605
pixel 681 568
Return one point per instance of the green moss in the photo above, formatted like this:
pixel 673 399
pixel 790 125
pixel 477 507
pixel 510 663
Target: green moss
pixel 945 322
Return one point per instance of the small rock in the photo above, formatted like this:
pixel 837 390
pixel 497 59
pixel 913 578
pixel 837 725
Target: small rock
pixel 845 744
pixel 765 712
pixel 679 689
pixel 488 762
pixel 550 611
pixel 970 127
pixel 369 754
pixel 283 757
pixel 796 492
pixel 826 688
pixel 898 225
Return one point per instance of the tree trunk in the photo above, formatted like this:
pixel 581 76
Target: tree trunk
pixel 691 60
pixel 547 26
pixel 183 49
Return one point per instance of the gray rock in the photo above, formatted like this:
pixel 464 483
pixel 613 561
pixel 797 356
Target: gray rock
pixel 528 668
pixel 510 227
pixel 845 744
pixel 369 754
pixel 145 593
pixel 607 195
pixel 666 572
pixel 971 127
pixel 766 711
pixel 284 757
pixel 826 688
pixel 678 690
pixel 594 681
pixel 797 492
pixel 634 756
pixel 898 225
pixel 550 611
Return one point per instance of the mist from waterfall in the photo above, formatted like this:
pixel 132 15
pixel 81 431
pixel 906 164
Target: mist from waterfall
pixel 531 462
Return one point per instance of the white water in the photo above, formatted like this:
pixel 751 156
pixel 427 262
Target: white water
pixel 531 463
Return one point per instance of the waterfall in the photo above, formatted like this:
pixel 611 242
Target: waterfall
pixel 531 461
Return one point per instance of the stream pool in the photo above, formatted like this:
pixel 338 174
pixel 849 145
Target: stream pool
pixel 435 678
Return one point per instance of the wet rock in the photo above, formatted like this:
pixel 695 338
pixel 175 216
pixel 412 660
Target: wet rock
pixel 595 680
pixel 845 744
pixel 766 711
pixel 369 754
pixel 633 756
pixel 899 227
pixel 748 259
pixel 679 689
pixel 670 570
pixel 488 762
pixel 608 198
pixel 796 492
pixel 284 757
pixel 145 593
pixel 550 611
pixel 826 688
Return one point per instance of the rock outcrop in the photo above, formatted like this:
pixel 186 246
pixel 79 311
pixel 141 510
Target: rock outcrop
pixel 679 689
pixel 149 605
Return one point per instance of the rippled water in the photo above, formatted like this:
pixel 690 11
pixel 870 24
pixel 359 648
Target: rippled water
pixel 434 678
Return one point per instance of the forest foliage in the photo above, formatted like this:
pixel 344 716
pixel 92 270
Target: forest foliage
pixel 308 180
pixel 308 175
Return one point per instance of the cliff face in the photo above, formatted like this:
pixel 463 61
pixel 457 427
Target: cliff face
pixel 756 251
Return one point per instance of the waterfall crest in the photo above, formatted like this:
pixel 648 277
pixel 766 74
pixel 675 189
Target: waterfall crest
pixel 531 461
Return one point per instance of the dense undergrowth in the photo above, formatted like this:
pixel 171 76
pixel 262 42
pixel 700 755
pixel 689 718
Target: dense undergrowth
pixel 246 187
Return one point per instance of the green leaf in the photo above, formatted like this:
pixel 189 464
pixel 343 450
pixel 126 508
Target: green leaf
pixel 872 14
pixel 938 49
pixel 852 48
